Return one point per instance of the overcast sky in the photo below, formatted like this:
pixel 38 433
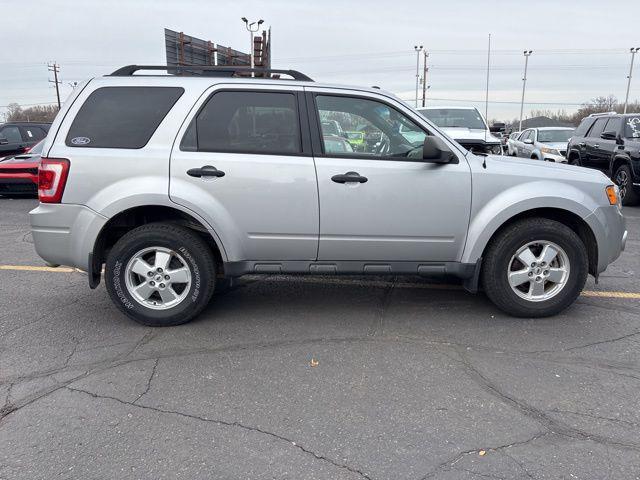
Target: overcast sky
pixel 581 48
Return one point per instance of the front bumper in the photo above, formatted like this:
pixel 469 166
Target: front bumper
pixel 609 227
pixel 64 234
pixel 554 158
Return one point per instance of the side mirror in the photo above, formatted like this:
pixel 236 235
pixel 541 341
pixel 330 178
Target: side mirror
pixel 434 150
pixel 528 141
pixel 609 135
pixel 4 141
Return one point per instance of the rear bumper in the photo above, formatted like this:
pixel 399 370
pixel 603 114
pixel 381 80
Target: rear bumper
pixel 65 234
pixel 609 227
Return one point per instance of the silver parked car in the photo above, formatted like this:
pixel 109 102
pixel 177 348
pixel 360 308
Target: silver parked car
pixel 511 143
pixel 544 143
pixel 178 183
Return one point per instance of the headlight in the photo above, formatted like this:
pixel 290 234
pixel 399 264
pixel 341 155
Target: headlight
pixel 550 151
pixel 496 149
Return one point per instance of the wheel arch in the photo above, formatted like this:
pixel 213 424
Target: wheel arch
pixel 617 161
pixel 139 215
pixel 507 208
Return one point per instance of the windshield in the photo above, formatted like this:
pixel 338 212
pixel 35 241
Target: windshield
pixel 552 136
pixel 455 117
pixel 632 127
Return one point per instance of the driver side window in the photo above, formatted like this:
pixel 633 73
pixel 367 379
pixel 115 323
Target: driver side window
pixel 353 126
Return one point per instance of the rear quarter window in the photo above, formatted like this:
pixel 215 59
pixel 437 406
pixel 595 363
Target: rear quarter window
pixel 121 117
pixel 582 129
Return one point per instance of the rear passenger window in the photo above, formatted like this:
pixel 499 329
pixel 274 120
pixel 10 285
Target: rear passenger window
pixel 121 117
pixel 582 129
pixel 248 122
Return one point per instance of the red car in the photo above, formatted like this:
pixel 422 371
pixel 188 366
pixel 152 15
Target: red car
pixel 19 174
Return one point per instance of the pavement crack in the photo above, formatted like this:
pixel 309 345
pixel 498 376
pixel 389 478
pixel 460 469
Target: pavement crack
pixel 228 424
pixel 449 463
pixel 595 417
pixel 601 342
pixel 153 373
pixel 378 326
pixel 551 424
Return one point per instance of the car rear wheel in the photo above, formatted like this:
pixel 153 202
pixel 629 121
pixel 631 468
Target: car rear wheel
pixel 160 274
pixel 623 179
pixel 535 268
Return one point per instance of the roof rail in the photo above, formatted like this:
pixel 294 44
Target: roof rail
pixel 602 114
pixel 210 71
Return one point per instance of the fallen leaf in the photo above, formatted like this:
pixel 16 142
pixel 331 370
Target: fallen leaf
pixel 482 453
pixel 314 362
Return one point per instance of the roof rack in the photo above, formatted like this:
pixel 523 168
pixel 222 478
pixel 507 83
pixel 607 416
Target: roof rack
pixel 602 114
pixel 210 71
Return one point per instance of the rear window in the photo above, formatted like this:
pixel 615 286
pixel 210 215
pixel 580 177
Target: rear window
pixel 121 117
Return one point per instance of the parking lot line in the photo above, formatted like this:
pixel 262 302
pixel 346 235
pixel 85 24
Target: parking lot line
pixel 32 268
pixel 343 281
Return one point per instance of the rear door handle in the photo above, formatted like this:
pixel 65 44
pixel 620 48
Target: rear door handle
pixel 582 144
pixel 349 177
pixel 597 145
pixel 205 171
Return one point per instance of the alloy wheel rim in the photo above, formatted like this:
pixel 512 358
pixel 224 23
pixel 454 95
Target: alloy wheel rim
pixel 538 271
pixel 622 179
pixel 158 278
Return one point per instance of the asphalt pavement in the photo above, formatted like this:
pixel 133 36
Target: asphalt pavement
pixel 315 378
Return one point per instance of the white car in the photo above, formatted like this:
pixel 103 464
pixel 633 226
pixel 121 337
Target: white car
pixel 511 144
pixel 465 125
pixel 545 143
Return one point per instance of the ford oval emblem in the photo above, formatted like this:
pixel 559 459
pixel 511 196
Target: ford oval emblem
pixel 80 141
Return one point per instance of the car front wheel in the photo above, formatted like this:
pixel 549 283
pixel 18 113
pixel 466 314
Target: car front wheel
pixel 535 268
pixel 160 274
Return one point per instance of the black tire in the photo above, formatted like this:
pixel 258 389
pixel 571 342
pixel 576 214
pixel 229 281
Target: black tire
pixel 192 249
pixel 504 246
pixel 575 160
pixel 627 192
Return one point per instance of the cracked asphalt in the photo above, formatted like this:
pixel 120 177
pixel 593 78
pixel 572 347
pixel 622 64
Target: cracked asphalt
pixel 412 381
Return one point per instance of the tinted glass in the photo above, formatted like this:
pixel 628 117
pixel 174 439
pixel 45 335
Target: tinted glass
pixel 583 127
pixel 374 128
pixel 598 127
pixel 250 122
pixel 551 136
pixel 613 125
pixel 455 117
pixel 11 133
pixel 526 134
pixel 34 134
pixel 121 117
pixel 632 127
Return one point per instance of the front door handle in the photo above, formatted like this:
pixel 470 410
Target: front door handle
pixel 349 177
pixel 205 171
pixel 597 145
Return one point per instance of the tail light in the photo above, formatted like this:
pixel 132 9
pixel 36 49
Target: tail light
pixel 52 177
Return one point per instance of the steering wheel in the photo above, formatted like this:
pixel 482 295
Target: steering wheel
pixel 383 146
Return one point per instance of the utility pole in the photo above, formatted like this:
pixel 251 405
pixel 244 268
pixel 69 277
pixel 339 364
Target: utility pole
pixel 633 54
pixel 524 84
pixel 425 70
pixel 417 50
pixel 55 68
pixel 486 97
pixel 252 28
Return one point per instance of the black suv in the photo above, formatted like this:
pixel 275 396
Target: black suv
pixel 16 137
pixel 610 142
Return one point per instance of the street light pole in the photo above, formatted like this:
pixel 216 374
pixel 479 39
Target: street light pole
pixel 633 54
pixel 417 50
pixel 251 29
pixel 524 84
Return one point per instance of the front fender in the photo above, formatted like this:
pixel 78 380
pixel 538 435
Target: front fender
pixel 516 200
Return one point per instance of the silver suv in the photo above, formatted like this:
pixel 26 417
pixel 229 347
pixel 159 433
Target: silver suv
pixel 178 183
